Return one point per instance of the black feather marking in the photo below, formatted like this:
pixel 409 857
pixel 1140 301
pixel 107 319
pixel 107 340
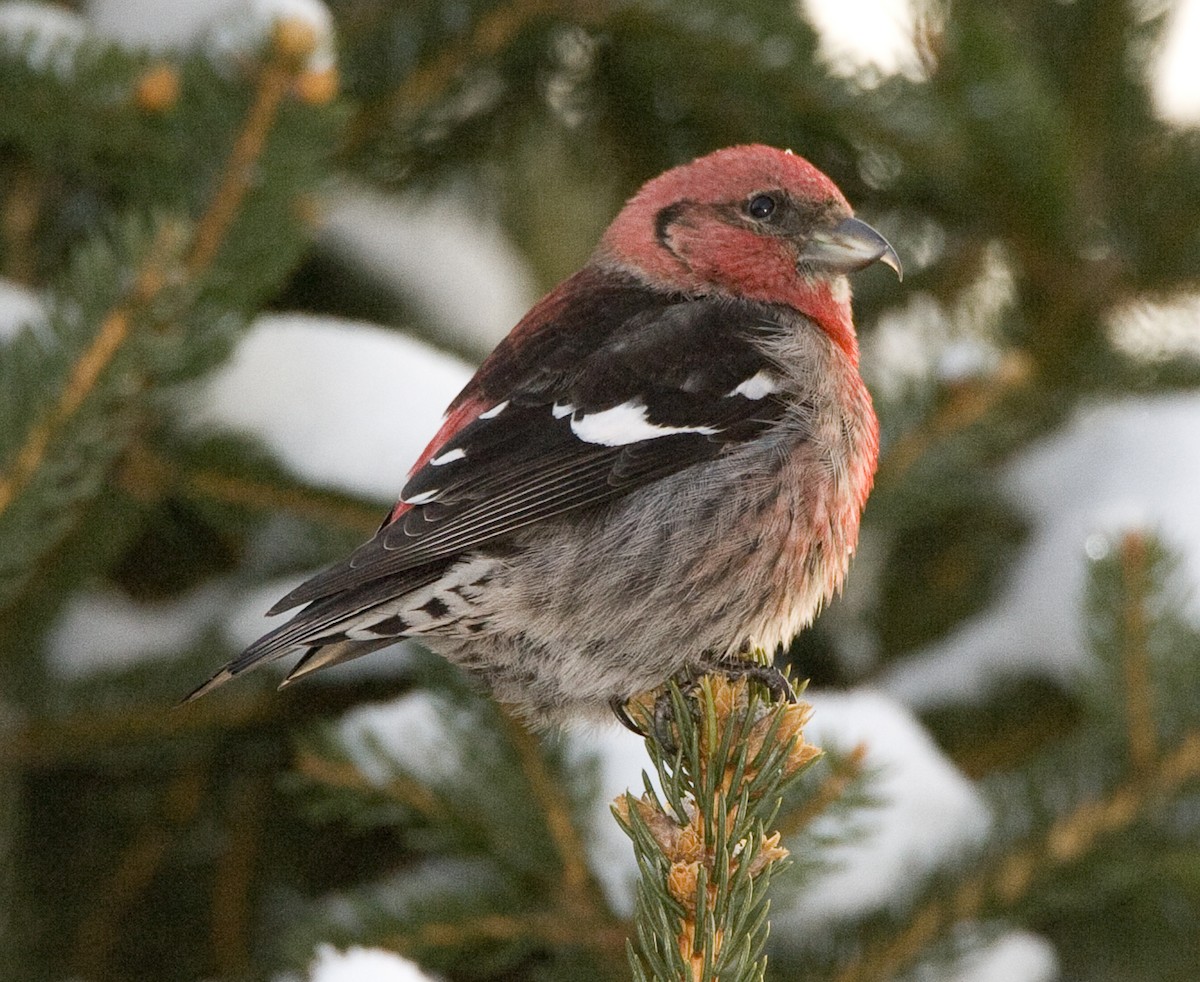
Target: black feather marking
pixel 390 627
pixel 435 607
pixel 663 221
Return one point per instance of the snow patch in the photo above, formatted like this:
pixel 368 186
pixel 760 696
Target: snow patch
pixel 444 253
pixel 1176 83
pixel 19 307
pixel 231 29
pixel 415 733
pixel 929 816
pixel 1130 464
pixel 340 403
pixel 363 965
pixel 103 629
pixel 51 33
pixel 1017 956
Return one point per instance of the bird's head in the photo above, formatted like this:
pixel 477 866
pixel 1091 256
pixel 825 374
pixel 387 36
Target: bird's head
pixel 752 222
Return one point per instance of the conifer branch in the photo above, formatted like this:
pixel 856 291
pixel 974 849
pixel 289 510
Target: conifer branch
pixel 968 405
pixel 232 912
pixel 112 334
pixel 1007 881
pixel 546 927
pixel 157 274
pixel 428 82
pixel 702 847
pixel 48 743
pixel 149 476
pixel 580 902
pixel 320 769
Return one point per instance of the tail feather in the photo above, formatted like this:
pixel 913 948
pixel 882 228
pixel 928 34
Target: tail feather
pixel 346 624
pixel 325 655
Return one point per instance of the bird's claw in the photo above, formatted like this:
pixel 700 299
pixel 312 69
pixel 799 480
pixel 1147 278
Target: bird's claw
pixel 620 710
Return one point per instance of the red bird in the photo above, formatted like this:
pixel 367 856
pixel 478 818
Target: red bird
pixel 658 472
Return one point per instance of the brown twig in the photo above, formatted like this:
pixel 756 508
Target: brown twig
pixel 578 882
pixel 347 777
pixel 234 876
pixel 549 927
pixel 1135 655
pixel 1006 882
pixel 135 870
pixel 243 158
pixel 148 476
pixel 18 223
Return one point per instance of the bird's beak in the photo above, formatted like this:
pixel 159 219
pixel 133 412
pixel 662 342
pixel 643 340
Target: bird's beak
pixel 848 246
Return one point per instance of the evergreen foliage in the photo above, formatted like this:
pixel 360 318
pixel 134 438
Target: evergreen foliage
pixel 157 203
pixel 702 846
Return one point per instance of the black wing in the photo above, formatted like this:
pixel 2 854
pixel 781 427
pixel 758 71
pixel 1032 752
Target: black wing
pixel 636 386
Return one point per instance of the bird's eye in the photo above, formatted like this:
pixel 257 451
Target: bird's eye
pixel 761 206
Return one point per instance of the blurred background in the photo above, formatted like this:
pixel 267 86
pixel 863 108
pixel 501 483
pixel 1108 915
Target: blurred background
pixel 249 249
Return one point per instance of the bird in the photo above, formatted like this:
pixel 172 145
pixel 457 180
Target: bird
pixel 659 473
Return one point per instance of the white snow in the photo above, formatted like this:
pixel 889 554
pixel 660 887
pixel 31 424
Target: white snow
pixel 1015 956
pixel 52 33
pixel 1158 330
pixel 929 816
pixel 228 28
pixel 156 24
pixel 1129 465
pixel 620 757
pixel 418 733
pixel 19 307
pixel 363 965
pixel 342 404
pixel 445 254
pixel 103 629
pixel 1176 81
pixel 865 34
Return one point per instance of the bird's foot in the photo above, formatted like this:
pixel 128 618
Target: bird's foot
pixel 620 709
pixel 659 722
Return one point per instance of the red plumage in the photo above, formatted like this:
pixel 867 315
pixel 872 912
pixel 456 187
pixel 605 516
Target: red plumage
pixel 661 468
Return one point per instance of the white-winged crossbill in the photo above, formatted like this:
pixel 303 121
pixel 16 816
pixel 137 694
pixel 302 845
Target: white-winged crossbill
pixel 660 470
